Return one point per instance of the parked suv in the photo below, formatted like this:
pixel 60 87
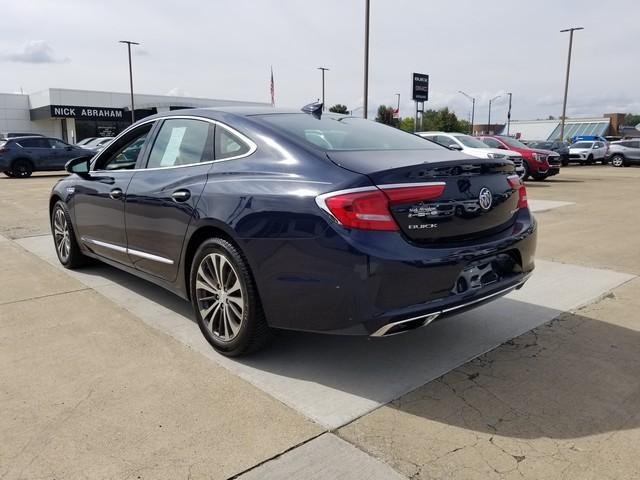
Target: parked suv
pixel 561 148
pixel 587 152
pixel 539 164
pixel 624 153
pixel 21 156
pixel 474 147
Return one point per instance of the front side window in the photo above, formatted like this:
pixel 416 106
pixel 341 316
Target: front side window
pixel 123 154
pixel 469 141
pixel 57 144
pixel 512 142
pixel 180 142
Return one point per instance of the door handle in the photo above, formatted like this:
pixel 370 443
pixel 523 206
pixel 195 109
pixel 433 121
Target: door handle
pixel 181 195
pixel 116 193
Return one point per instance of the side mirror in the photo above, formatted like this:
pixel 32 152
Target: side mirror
pixel 455 146
pixel 79 165
pixel 69 148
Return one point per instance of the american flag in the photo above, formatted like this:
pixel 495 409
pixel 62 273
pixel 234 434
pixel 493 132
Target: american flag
pixel 273 91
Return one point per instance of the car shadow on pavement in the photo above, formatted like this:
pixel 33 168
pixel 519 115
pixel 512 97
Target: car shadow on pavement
pixel 571 378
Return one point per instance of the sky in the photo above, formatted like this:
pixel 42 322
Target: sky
pixel 225 48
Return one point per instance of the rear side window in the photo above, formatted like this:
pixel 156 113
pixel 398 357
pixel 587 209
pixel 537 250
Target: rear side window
pixel 181 142
pixel 229 145
pixel 54 143
pixel 338 132
pixel 33 143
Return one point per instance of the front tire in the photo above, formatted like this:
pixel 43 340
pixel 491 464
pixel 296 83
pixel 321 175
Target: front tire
pixel 22 168
pixel 590 160
pixel 64 238
pixel 225 300
pixel 8 173
pixel 617 161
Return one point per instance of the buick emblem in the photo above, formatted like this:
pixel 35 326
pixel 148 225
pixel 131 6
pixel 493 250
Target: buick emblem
pixel 485 199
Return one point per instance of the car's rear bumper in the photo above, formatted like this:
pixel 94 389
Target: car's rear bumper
pixel 357 282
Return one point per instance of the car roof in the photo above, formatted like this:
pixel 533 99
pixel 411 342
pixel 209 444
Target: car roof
pixel 27 136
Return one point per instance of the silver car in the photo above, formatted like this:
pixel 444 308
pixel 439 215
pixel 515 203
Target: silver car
pixel 624 152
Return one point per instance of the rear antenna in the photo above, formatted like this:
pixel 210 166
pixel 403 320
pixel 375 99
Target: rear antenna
pixel 315 109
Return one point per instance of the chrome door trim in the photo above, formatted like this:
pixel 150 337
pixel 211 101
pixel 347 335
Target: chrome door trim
pixel 252 145
pixel 130 251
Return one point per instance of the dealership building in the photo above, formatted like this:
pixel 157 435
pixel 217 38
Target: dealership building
pixel 76 114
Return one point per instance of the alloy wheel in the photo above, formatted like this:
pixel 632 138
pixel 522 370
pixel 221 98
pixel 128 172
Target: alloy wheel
pixel 220 296
pixel 617 161
pixel 61 234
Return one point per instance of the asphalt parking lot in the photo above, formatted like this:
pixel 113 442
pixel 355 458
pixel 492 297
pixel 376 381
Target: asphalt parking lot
pixel 106 376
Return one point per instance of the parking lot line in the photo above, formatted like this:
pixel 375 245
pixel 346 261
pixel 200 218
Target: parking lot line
pixel 334 380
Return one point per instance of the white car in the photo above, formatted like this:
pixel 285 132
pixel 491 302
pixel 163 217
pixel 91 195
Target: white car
pixel 474 147
pixel 587 152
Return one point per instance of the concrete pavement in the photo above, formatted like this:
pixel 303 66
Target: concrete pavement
pixel 92 388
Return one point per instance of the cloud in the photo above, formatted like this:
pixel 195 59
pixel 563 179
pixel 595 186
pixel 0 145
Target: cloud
pixel 34 51
pixel 178 92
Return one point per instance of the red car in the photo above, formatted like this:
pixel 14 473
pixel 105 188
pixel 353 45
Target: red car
pixel 538 164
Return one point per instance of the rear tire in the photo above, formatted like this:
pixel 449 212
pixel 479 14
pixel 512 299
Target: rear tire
pixel 22 168
pixel 64 239
pixel 617 161
pixel 225 300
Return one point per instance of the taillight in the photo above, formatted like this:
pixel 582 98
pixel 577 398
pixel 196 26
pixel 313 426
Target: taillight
pixel 409 194
pixel 516 183
pixel 365 210
pixel 368 209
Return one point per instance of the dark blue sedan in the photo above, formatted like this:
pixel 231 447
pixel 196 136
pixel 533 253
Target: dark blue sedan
pixel 271 219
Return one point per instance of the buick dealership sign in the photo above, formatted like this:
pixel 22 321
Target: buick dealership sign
pixel 420 90
pixel 86 113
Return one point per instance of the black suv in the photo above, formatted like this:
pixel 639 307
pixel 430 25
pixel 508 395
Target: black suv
pixel 21 156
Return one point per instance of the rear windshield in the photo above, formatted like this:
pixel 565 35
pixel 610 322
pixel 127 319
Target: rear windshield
pixel 339 132
pixel 582 145
pixel 471 142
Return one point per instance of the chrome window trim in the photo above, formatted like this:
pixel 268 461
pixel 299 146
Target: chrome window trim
pixel 130 251
pixel 252 145
pixel 321 199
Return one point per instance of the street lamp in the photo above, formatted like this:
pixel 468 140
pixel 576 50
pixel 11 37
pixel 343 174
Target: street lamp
pixel 398 108
pixel 489 121
pixel 473 108
pixel 566 81
pixel 509 113
pixel 323 70
pixel 366 58
pixel 129 43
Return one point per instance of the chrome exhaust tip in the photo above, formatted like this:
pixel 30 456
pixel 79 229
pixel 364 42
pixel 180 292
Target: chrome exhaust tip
pixel 401 326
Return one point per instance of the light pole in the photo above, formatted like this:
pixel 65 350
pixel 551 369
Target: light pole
pixel 398 107
pixel 509 113
pixel 473 108
pixel 489 121
pixel 366 57
pixel 323 70
pixel 129 43
pixel 566 81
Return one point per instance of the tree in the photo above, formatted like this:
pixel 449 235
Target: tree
pixel 441 120
pixel 407 124
pixel 631 120
pixel 385 115
pixel 339 108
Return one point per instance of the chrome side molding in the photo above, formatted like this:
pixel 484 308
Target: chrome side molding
pixel 130 251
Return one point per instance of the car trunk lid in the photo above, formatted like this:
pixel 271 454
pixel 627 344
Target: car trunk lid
pixel 475 197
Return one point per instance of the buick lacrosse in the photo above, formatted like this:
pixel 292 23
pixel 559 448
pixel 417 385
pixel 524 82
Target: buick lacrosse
pixel 269 219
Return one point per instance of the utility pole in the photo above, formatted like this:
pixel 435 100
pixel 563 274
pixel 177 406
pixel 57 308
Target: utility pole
pixel 566 81
pixel 489 121
pixel 473 108
pixel 129 43
pixel 366 57
pixel 509 113
pixel 323 70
